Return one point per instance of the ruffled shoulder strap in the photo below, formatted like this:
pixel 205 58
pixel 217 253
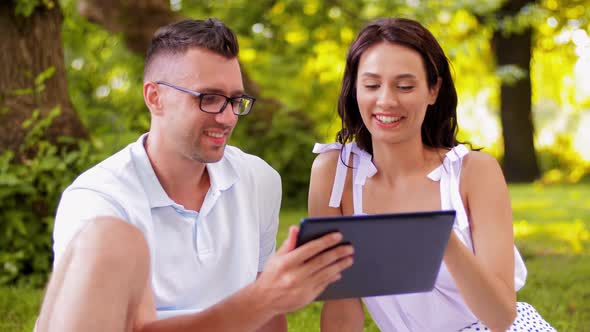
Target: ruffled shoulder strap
pixel 362 167
pixel 321 148
pixel 449 175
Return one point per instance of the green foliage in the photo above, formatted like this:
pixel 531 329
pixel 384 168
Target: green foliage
pixel 26 7
pixel 285 143
pixel 36 126
pixel 561 163
pixel 105 81
pixel 41 78
pixel 29 192
pixel 511 74
pixel 18 308
pixel 39 84
pixel 295 50
pixel 30 187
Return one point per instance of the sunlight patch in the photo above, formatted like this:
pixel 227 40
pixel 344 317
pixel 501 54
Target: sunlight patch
pixel 574 234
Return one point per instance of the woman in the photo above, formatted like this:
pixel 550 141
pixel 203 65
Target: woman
pixel 398 152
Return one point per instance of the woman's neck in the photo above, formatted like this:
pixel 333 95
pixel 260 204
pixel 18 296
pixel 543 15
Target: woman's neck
pixel 410 158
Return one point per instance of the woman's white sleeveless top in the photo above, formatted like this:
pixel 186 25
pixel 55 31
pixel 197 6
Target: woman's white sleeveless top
pixel 443 308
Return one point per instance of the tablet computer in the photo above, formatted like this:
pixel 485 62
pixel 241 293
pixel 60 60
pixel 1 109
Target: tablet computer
pixel 393 253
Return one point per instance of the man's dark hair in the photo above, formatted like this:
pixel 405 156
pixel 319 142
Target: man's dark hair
pixel 177 38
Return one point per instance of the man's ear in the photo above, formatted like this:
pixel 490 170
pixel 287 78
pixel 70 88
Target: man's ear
pixel 153 98
pixel 434 92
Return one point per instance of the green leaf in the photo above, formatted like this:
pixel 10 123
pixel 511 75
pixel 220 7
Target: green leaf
pixel 26 7
pixel 44 75
pixel 22 92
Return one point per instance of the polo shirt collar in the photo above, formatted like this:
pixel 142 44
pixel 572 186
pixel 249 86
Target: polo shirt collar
pixel 222 175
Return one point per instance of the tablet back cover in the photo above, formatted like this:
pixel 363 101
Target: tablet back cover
pixel 394 253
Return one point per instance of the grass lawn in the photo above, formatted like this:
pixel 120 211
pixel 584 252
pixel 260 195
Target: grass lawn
pixel 552 229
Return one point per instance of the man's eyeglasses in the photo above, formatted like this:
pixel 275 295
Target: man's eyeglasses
pixel 216 103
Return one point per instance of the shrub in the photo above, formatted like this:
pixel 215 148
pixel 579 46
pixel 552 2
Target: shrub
pixel 30 187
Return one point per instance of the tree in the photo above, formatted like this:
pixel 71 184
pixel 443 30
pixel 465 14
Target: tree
pixel 35 112
pixel 514 48
pixel 33 75
pixel 137 20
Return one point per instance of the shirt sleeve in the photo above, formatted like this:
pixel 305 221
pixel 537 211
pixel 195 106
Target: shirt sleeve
pixel 270 205
pixel 76 208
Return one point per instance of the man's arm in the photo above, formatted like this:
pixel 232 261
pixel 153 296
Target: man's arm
pixel 269 223
pixel 276 324
pixel 101 283
pixel 76 209
pixel 292 278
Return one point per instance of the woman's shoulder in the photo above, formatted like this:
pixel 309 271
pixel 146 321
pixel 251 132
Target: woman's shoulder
pixel 330 157
pixel 329 154
pixel 325 147
pixel 325 162
pixel 322 180
pixel 477 159
pixel 479 164
pixel 468 158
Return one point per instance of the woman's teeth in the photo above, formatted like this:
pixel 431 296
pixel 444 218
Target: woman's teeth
pixel 387 119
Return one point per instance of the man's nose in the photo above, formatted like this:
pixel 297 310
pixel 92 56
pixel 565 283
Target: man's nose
pixel 227 115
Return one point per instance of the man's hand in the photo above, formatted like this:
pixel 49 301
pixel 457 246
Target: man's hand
pixel 293 277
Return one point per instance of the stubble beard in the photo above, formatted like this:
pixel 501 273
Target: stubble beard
pixel 197 153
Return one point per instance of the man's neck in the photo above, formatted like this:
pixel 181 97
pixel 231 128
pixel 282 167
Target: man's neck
pixel 185 181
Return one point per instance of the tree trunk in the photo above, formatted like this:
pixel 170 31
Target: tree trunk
pixel 30 46
pixel 136 19
pixel 520 161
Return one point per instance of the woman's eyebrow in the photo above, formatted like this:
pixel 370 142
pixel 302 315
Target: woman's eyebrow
pixel 400 76
pixel 370 75
pixel 403 76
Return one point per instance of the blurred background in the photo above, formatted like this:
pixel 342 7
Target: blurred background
pixel 71 94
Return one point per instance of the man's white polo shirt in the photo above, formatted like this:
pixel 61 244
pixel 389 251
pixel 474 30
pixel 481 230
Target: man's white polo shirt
pixel 197 258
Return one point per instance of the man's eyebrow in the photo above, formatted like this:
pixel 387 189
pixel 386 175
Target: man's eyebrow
pixel 238 92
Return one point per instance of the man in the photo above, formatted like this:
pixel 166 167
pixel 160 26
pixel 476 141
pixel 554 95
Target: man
pixel 178 226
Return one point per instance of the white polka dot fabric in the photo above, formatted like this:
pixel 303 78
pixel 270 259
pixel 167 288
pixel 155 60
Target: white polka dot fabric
pixel 527 319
